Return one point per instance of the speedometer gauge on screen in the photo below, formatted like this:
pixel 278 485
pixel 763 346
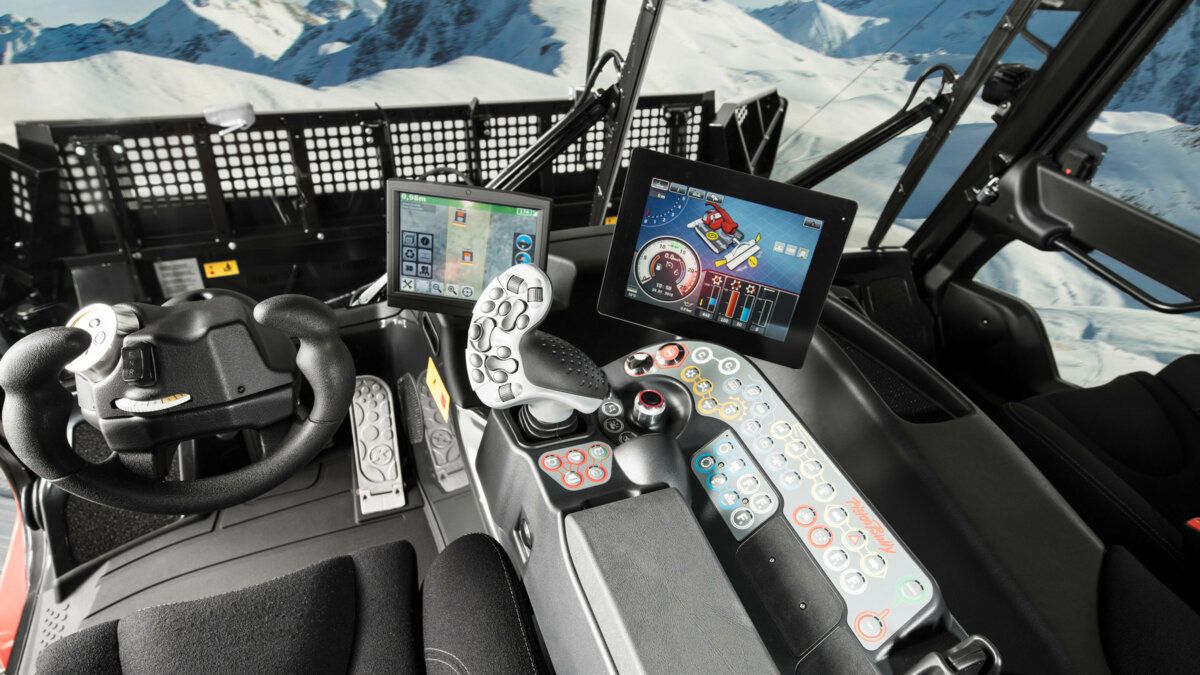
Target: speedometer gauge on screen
pixel 667 269
pixel 728 256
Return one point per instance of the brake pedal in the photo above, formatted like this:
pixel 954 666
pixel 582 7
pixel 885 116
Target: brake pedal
pixel 378 480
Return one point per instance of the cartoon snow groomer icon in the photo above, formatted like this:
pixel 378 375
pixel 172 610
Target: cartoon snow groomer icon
pixel 723 236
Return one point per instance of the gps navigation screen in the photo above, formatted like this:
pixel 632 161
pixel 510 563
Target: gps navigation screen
pixel 721 258
pixel 450 248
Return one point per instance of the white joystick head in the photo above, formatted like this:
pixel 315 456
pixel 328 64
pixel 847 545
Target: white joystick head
pixel 510 363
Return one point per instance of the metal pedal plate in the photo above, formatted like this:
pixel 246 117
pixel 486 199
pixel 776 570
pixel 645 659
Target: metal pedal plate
pixel 378 480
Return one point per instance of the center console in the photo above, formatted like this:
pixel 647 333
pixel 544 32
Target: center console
pixel 672 504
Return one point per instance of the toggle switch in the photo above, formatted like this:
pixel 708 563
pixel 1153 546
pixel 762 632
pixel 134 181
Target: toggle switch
pixel 137 364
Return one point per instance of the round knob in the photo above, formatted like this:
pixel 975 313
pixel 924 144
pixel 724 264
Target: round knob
pixel 106 324
pixel 639 363
pixel 649 410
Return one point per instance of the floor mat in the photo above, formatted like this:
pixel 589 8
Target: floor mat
pixel 93 530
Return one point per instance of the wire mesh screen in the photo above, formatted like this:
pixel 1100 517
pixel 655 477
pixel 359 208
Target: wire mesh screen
pixel 257 163
pixel 20 200
pixel 343 159
pixel 163 181
pixel 159 171
pixel 503 139
pixel 421 146
pixel 673 130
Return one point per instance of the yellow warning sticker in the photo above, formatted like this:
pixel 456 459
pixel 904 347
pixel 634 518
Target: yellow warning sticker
pixel 437 388
pixel 221 268
pixel 611 220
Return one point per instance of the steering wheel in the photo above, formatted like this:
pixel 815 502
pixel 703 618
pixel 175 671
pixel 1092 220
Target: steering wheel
pixel 150 376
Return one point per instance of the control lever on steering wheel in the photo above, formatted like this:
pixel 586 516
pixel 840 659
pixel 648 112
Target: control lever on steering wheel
pixel 510 363
pixel 148 377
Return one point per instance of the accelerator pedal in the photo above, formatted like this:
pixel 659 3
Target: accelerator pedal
pixel 378 480
pixel 442 443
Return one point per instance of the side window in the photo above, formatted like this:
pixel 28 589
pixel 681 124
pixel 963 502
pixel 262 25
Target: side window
pixel 1096 331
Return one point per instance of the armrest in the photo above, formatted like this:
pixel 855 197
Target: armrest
pixel 660 597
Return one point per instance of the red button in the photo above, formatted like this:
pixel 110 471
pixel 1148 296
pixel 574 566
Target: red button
pixel 1194 523
pixel 670 352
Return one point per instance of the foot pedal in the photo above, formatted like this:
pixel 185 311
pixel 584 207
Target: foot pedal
pixel 442 442
pixel 410 404
pixel 378 481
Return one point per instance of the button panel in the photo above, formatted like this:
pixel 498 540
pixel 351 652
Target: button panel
pixel 579 467
pixel 612 421
pixel 883 585
pixel 735 484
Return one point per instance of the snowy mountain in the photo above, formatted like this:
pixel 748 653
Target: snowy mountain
pixel 1171 68
pixel 335 10
pixel 920 33
pixel 16 35
pixel 242 34
pixel 325 43
pixel 860 27
pixel 420 33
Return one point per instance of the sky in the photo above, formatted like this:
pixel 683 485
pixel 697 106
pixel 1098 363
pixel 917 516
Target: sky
pixel 58 12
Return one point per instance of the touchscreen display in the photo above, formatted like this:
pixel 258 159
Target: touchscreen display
pixel 722 259
pixel 450 248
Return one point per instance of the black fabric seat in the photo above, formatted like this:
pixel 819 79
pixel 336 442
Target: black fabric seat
pixel 1126 455
pixel 357 613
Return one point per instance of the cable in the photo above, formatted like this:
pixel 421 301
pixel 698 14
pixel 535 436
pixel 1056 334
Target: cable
pixel 871 65
pixel 609 55
pixel 948 77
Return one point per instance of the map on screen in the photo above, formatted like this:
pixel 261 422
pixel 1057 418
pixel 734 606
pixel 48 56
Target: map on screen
pixel 451 248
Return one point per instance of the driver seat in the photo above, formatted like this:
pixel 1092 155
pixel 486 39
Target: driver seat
pixel 356 613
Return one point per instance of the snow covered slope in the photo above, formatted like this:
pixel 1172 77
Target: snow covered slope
pixel 134 85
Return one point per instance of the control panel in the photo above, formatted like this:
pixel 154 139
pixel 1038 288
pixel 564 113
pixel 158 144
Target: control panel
pixel 735 484
pixel 884 587
pixel 579 467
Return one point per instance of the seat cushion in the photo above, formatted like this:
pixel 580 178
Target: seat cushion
pixel 477 617
pixel 1126 455
pixel 355 613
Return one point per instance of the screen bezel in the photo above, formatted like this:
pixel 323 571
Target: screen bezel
pixel 432 303
pixel 838 214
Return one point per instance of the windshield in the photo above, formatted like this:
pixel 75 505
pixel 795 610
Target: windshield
pixel 844 65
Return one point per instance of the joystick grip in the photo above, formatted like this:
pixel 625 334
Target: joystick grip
pixel 511 363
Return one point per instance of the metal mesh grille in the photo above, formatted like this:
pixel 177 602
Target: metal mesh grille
pixel 255 164
pixel 503 141
pixel 22 202
pixel 82 186
pixel 159 171
pixel 651 128
pixel 343 159
pixel 582 155
pixel 421 146
pixel 309 165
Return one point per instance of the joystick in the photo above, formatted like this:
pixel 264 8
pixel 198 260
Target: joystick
pixel 510 363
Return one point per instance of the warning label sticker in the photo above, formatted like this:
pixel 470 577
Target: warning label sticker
pixel 178 276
